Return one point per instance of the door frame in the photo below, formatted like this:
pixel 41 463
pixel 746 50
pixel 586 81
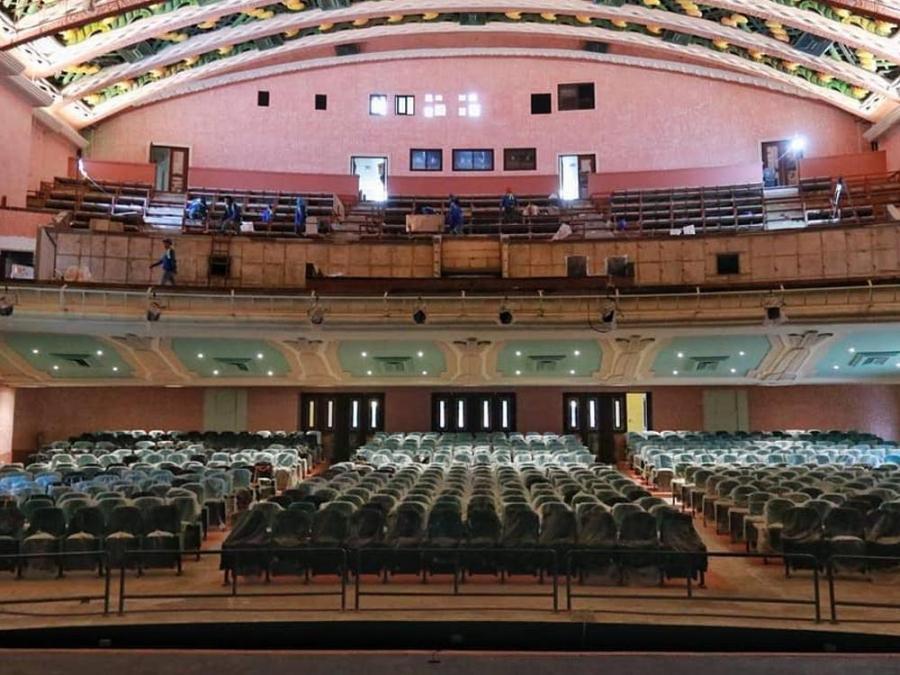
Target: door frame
pixel 187 163
pixel 782 154
pixel 387 168
pixel 585 194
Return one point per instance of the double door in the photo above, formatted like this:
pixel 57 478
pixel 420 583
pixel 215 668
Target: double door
pixel 346 421
pixel 171 168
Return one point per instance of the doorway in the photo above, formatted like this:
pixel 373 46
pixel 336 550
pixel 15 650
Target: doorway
pixel 599 419
pixel 780 163
pixel 346 421
pixel 171 167
pixel 725 410
pixel 574 176
pixel 372 174
pixel 225 409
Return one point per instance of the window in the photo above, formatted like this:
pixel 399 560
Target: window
pixel 405 104
pixel 473 412
pixel 594 412
pixel 578 96
pixel 377 104
pixel 519 159
pixel 321 102
pixel 262 99
pixel 473 160
pixel 434 106
pixel 728 263
pixel 469 105
pixel 426 160
pixel 541 104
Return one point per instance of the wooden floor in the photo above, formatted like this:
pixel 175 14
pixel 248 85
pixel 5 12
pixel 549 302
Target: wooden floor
pixel 727 580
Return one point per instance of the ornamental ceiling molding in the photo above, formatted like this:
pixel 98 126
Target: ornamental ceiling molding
pixel 226 37
pixel 113 40
pixel 247 59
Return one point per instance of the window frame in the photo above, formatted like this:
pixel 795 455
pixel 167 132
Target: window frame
pixel 473 405
pixel 372 97
pixel 472 150
pixel 560 99
pixel 440 154
pixel 408 98
pixel 532 167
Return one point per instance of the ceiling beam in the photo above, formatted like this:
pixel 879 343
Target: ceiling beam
pixel 63 16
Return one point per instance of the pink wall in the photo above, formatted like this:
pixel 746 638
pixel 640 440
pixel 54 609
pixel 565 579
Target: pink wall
pixel 125 172
pixel 50 155
pixel 645 120
pixel 469 184
pixel 890 143
pixel 272 180
pixel 7 417
pixel 604 183
pixel 856 164
pixel 15 223
pixel 15 141
pixel 43 415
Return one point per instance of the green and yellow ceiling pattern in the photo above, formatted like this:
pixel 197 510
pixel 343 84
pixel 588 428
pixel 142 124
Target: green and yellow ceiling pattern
pixel 756 25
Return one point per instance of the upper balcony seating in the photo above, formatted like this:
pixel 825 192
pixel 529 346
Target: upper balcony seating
pixel 252 202
pixel 704 208
pixel 120 202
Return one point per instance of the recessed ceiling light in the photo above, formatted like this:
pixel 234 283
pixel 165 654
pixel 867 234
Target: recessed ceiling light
pixel 424 372
pixel 518 353
pixel 836 367
pixel 420 354
pixel 215 372
pixel 35 351
pixel 571 372
pixel 519 372
pixel 55 367
pixel 99 352
pixel 898 365
pixel 200 355
pixel 734 370
pixel 259 355
pixel 742 353
pixel 577 352
pixel 852 350
pixel 364 354
pixel 368 372
pixel 674 372
pixel 115 369
pixel 270 373
pixel 680 355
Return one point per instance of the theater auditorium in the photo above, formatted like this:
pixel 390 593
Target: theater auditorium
pixel 365 336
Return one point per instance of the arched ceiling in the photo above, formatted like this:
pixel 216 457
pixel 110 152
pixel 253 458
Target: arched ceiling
pixel 97 57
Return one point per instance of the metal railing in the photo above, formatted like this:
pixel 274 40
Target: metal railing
pixel 863 565
pixel 456 561
pixel 237 562
pixel 18 562
pixel 687 565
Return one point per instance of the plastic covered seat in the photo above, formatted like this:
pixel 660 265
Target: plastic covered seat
pixel 84 539
pixel 244 551
pixel 12 523
pixel 801 534
pixel 45 533
pixel 677 534
pixel 124 532
pixel 845 537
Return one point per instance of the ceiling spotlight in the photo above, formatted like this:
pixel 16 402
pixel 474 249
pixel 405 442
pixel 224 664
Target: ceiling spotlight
pixel 680 355
pixel 852 350
pixel 571 372
pixel 368 372
pixel 674 372
pixel 259 355
pixel 364 354
pixel 99 352
pixel 518 353
pixel 774 308
pixel 733 370
pixel 6 306
pixel 424 372
pixel 316 314
pixel 577 352
pixel 607 316
pixel 419 316
pixel 215 372
pixel 200 355
pixel 420 354
pixel 55 367
pixel 836 367
pixel 115 369
pixel 154 311
pixel 35 351
pixel 519 372
pixel 742 353
pixel 898 365
pixel 270 373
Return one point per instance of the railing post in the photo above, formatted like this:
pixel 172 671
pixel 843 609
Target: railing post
pixel 555 560
pixel 358 575
pixel 569 558
pixel 831 599
pixel 106 583
pixel 122 584
pixel 816 598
